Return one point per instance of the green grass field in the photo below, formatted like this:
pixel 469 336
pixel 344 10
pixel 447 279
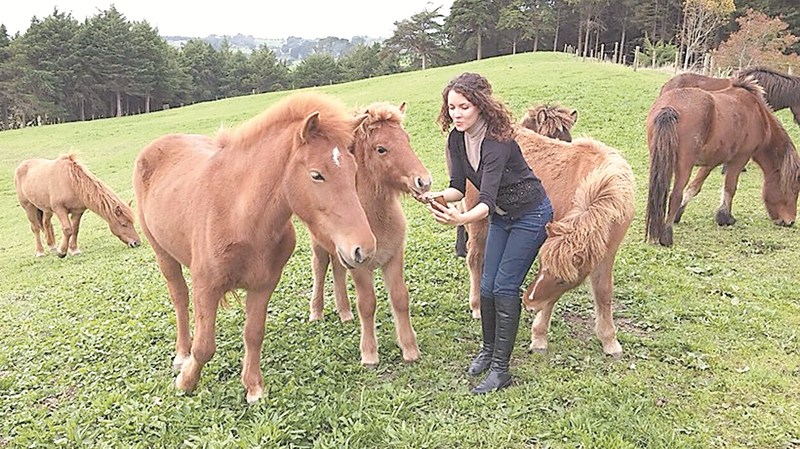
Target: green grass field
pixel 709 327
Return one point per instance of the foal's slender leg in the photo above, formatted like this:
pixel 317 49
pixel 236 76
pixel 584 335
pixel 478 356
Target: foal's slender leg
pixel 73 241
pixel 255 317
pixel 693 189
pixel 365 303
pixel 206 301
pixel 66 228
pixel 340 291
pixel 398 295
pixel 179 293
pixel 36 226
pixel 541 296
pixel 319 267
pixel 475 251
pixel 49 235
pixel 602 283
pixel 724 216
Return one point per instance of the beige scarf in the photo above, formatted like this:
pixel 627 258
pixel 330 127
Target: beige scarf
pixel 473 138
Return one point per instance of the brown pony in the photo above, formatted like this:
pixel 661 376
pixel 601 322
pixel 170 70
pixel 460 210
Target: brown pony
pixel 690 126
pixel 781 90
pixel 553 121
pixel 591 187
pixel 222 207
pixel 66 188
pixel 387 168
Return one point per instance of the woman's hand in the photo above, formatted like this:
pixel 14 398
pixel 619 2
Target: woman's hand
pixel 446 215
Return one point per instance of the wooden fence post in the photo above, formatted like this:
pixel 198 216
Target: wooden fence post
pixel 677 60
pixel 616 52
pixel 636 59
pixel 602 55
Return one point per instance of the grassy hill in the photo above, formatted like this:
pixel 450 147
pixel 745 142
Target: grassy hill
pixel 709 327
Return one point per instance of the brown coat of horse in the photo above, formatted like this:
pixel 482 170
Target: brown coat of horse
pixel 64 187
pixel 222 207
pixel 781 90
pixel 591 187
pixel 691 126
pixel 387 168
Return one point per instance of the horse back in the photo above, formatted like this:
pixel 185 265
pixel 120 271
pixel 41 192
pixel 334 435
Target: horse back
pixel 46 183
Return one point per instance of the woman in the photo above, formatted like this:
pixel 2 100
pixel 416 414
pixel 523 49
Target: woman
pixel 481 149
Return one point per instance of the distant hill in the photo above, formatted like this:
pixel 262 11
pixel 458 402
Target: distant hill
pixel 291 49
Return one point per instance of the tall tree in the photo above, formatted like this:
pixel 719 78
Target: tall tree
pixel 701 20
pixel 268 74
pixel 516 21
pixel 420 38
pixel 318 69
pixel 760 40
pixel 470 21
pixel 201 63
pixel 363 62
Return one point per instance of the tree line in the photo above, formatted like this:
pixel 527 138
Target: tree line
pixel 62 70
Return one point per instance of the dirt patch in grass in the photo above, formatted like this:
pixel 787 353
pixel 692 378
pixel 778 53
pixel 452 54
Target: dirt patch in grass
pixel 53 401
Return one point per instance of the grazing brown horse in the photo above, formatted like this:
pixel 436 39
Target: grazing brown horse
pixel 781 90
pixel 387 168
pixel 64 187
pixel 553 121
pixel 690 126
pixel 222 207
pixel 591 187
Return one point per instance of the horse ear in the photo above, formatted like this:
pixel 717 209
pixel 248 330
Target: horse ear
pixel 358 121
pixel 310 125
pixel 402 107
pixel 574 115
pixel 541 116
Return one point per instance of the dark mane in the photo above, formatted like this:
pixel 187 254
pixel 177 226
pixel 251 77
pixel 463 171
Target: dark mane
pixel 780 89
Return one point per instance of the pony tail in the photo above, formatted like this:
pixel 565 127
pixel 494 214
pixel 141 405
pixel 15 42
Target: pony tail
pixel 663 144
pixel 576 243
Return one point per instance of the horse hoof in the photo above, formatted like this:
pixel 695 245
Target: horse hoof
pixel 178 361
pixel 725 219
pixel 476 314
pixel 411 355
pixel 536 350
pixel 315 316
pixel 346 317
pixel 254 396
pixel 77 252
pixel 679 214
pixel 61 255
pixel 617 356
pixel 38 254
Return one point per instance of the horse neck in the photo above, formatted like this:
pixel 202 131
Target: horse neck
pixel 96 196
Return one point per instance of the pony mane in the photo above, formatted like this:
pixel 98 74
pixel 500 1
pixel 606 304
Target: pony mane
pixel 781 89
pixel 334 121
pixel 751 84
pixel 378 113
pixel 559 119
pixel 790 165
pixel 578 241
pixel 94 192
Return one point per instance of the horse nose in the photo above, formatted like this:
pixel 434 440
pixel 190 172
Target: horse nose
pixel 423 184
pixel 358 255
pixel 134 244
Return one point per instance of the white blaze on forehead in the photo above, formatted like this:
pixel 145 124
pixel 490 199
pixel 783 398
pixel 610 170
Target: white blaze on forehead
pixel 336 155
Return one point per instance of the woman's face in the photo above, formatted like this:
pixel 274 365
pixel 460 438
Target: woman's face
pixel 463 113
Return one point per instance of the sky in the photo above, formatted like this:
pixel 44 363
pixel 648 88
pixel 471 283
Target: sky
pixel 310 19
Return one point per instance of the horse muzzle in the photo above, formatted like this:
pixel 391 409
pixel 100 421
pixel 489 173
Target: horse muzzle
pixel 421 184
pixel 356 258
pixel 134 244
pixel 784 223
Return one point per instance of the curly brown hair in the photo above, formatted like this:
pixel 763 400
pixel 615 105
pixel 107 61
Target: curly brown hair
pixel 477 90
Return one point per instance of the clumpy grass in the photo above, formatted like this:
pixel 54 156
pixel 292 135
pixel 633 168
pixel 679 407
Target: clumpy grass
pixel 709 327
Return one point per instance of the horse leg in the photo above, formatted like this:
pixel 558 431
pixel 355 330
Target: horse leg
pixel 255 317
pixel 364 280
pixel 796 113
pixel 693 189
pixel 73 241
pixel 179 293
pixel 36 226
pixel 49 235
pixel 319 267
pixel 206 302
pixel 724 216
pixel 602 284
pixel 340 291
pixel 66 229
pixel 476 246
pixel 682 175
pixel 398 295
pixel 541 297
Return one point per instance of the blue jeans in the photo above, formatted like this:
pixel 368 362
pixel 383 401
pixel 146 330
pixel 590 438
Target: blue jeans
pixel 511 247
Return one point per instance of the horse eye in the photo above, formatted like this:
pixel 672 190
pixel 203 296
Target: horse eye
pixel 317 176
pixel 382 150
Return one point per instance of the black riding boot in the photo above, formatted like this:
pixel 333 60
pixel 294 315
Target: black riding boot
pixel 507 312
pixel 482 361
